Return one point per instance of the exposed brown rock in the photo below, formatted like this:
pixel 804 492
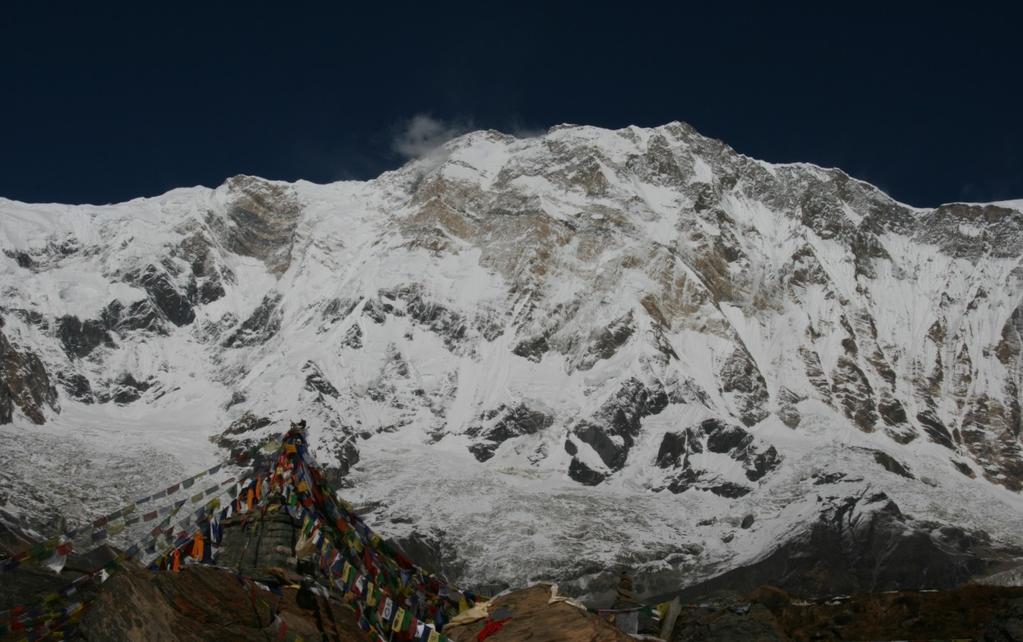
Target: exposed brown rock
pixel 260 221
pixel 853 392
pixel 534 618
pixel 25 384
pixel 202 603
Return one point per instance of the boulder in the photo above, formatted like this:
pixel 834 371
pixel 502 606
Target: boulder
pixel 533 616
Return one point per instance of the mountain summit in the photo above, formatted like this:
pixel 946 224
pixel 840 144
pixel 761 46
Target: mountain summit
pixel 563 354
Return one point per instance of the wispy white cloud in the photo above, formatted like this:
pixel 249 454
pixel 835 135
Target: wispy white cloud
pixel 420 135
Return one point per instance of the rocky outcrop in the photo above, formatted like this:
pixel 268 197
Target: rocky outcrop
pixel 247 423
pixel 316 381
pixel 25 384
pixel 208 275
pixel 854 394
pixel 164 293
pixel 532 614
pixel 209 604
pixel 352 338
pixel 677 451
pixel 259 221
pixel 142 315
pixel 127 389
pixel 412 300
pixel 80 338
pixel 503 423
pixel 335 311
pixel 989 229
pixel 742 380
pixel 532 348
pixel 77 386
pixel 604 343
pixel 891 464
pixel 612 430
pixel 261 326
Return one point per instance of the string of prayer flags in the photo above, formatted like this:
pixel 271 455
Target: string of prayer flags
pixel 112 524
pixel 46 605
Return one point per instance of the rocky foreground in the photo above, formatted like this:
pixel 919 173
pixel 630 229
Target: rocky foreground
pixel 210 604
pixel 255 593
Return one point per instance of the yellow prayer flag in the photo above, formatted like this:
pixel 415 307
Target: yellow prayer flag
pixel 371 598
pixel 462 604
pixel 399 620
pixel 434 636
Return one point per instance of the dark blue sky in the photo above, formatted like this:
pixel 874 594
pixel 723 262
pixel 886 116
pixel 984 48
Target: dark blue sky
pixel 101 103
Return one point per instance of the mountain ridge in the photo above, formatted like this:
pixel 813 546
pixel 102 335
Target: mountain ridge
pixel 645 313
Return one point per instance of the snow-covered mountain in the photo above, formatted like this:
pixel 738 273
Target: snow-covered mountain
pixel 543 357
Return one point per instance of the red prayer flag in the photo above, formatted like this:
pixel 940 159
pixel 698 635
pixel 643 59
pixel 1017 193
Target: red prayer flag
pixel 490 628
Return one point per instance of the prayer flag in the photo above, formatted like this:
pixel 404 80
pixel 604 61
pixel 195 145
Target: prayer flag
pixel 401 620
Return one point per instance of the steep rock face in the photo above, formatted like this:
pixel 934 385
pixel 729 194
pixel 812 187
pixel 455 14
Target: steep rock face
pixel 571 308
pixel 259 221
pixel 315 381
pixel 25 384
pixel 690 456
pixel 260 326
pixel 612 431
pixel 80 338
pixel 499 425
pixel 973 231
pixel 164 293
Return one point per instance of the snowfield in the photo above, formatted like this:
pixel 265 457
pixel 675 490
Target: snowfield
pixel 539 358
